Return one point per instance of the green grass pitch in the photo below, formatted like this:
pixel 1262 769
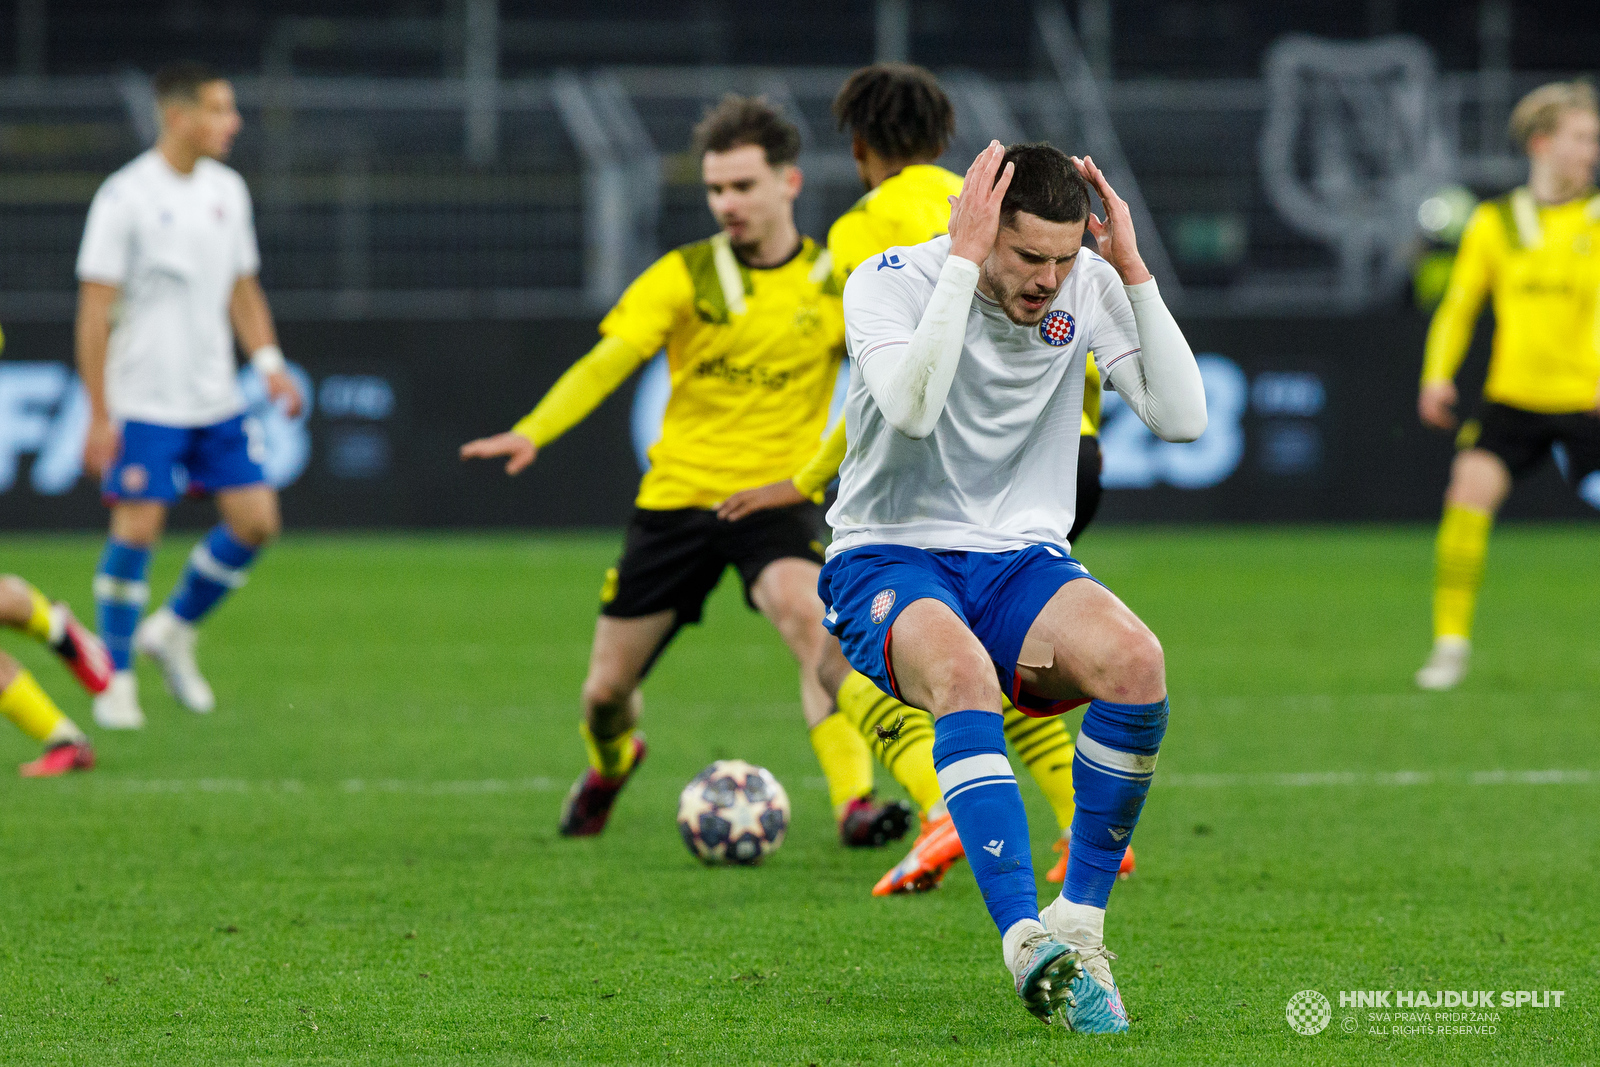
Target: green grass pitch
pixel 354 860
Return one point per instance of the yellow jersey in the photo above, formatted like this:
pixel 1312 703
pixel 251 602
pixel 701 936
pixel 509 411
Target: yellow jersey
pixel 1542 266
pixel 753 355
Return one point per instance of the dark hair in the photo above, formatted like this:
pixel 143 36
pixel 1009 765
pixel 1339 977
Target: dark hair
pixel 737 121
pixel 898 109
pixel 182 81
pixel 1044 183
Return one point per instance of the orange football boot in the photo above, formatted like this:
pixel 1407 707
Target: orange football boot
pixel 1058 873
pixel 60 758
pixel 935 851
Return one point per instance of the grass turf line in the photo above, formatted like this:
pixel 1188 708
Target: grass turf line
pixel 323 925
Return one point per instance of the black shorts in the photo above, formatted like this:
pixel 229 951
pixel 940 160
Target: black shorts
pixel 1521 439
pixel 672 560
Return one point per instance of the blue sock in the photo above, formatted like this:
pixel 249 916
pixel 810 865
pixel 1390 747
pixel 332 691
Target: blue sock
pixel 1116 758
pixel 969 752
pixel 217 565
pixel 120 593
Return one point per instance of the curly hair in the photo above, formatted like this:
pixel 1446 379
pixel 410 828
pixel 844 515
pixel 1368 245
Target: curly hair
pixel 898 109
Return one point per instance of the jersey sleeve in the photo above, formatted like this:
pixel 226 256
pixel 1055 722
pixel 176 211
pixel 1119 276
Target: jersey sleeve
pixel 882 307
pixel 107 247
pixel 652 306
pixel 248 261
pixel 580 390
pixel 1470 278
pixel 1114 334
pixel 823 468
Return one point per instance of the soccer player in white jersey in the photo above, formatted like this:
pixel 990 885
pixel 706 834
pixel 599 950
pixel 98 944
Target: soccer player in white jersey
pixel 949 580
pixel 167 277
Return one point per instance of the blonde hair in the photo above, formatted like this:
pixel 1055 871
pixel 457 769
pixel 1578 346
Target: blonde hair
pixel 1541 110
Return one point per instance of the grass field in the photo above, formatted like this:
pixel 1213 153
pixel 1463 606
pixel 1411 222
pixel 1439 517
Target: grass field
pixel 354 860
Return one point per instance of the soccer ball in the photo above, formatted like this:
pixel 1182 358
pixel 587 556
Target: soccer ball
pixel 733 812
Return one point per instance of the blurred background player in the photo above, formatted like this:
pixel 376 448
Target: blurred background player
pixel 754 333
pixel 900 122
pixel 24 702
pixel 1537 250
pixel 167 277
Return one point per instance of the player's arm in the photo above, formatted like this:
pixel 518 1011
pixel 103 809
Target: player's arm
pixel 252 324
pixel 909 378
pixel 1157 374
pixel 1450 333
pixel 635 329
pixel 92 336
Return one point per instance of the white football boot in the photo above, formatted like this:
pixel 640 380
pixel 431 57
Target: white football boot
pixel 1041 967
pixel 1095 1006
pixel 170 641
pixel 117 707
pixel 1446 665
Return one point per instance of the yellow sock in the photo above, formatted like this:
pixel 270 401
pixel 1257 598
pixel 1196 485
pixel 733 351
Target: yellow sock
pixel 612 757
pixel 1045 747
pixel 909 757
pixel 845 761
pixel 31 708
pixel 1458 568
pixel 38 624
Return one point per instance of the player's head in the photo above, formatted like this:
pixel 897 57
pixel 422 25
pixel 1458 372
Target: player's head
pixel 1558 126
pixel 897 115
pixel 197 109
pixel 1041 231
pixel 747 155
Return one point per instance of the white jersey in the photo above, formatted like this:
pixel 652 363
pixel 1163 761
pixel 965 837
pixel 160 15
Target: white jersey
pixel 999 470
pixel 175 245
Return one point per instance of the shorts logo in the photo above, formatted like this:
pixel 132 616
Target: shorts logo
pixel 134 478
pixel 881 605
pixel 1057 328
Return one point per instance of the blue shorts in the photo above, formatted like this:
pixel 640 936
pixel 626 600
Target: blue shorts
pixel 997 594
pixel 165 462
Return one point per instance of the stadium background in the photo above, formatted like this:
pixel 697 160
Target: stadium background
pixel 449 194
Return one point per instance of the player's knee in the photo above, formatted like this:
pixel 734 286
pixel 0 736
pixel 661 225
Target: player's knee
pixel 1137 671
pixel 258 530
pixel 961 682
pixel 606 693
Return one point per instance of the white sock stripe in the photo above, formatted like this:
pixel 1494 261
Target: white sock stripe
pixel 209 566
pixel 1114 759
pixel 1100 768
pixel 121 590
pixel 979 784
pixel 983 765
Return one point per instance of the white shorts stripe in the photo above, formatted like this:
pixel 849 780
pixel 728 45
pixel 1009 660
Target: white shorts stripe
pixel 1115 760
pixel 962 771
pixel 121 590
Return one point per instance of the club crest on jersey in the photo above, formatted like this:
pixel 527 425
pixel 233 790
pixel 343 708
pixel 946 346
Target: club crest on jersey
pixel 1057 328
pixel 881 605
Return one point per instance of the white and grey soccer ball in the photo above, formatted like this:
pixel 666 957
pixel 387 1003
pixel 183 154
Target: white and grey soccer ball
pixel 733 812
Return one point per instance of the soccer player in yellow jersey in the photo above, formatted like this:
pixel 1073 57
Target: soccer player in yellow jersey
pixel 754 331
pixel 1537 253
pixel 900 121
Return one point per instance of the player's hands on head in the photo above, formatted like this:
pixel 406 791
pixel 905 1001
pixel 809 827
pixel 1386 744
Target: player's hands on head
pixel 782 494
pixel 1436 403
pixel 518 450
pixel 975 214
pixel 100 448
pixel 283 391
pixel 1113 237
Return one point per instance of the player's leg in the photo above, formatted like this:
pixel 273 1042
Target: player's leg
pixel 785 591
pixel 25 608
pixel 120 594
pixel 224 459
pixel 1479 482
pixel 30 707
pixel 1087 643
pixel 623 650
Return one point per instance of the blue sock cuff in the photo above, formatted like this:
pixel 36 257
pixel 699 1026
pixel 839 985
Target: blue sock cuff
pixel 227 549
pixel 122 560
pixel 962 733
pixel 1135 728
